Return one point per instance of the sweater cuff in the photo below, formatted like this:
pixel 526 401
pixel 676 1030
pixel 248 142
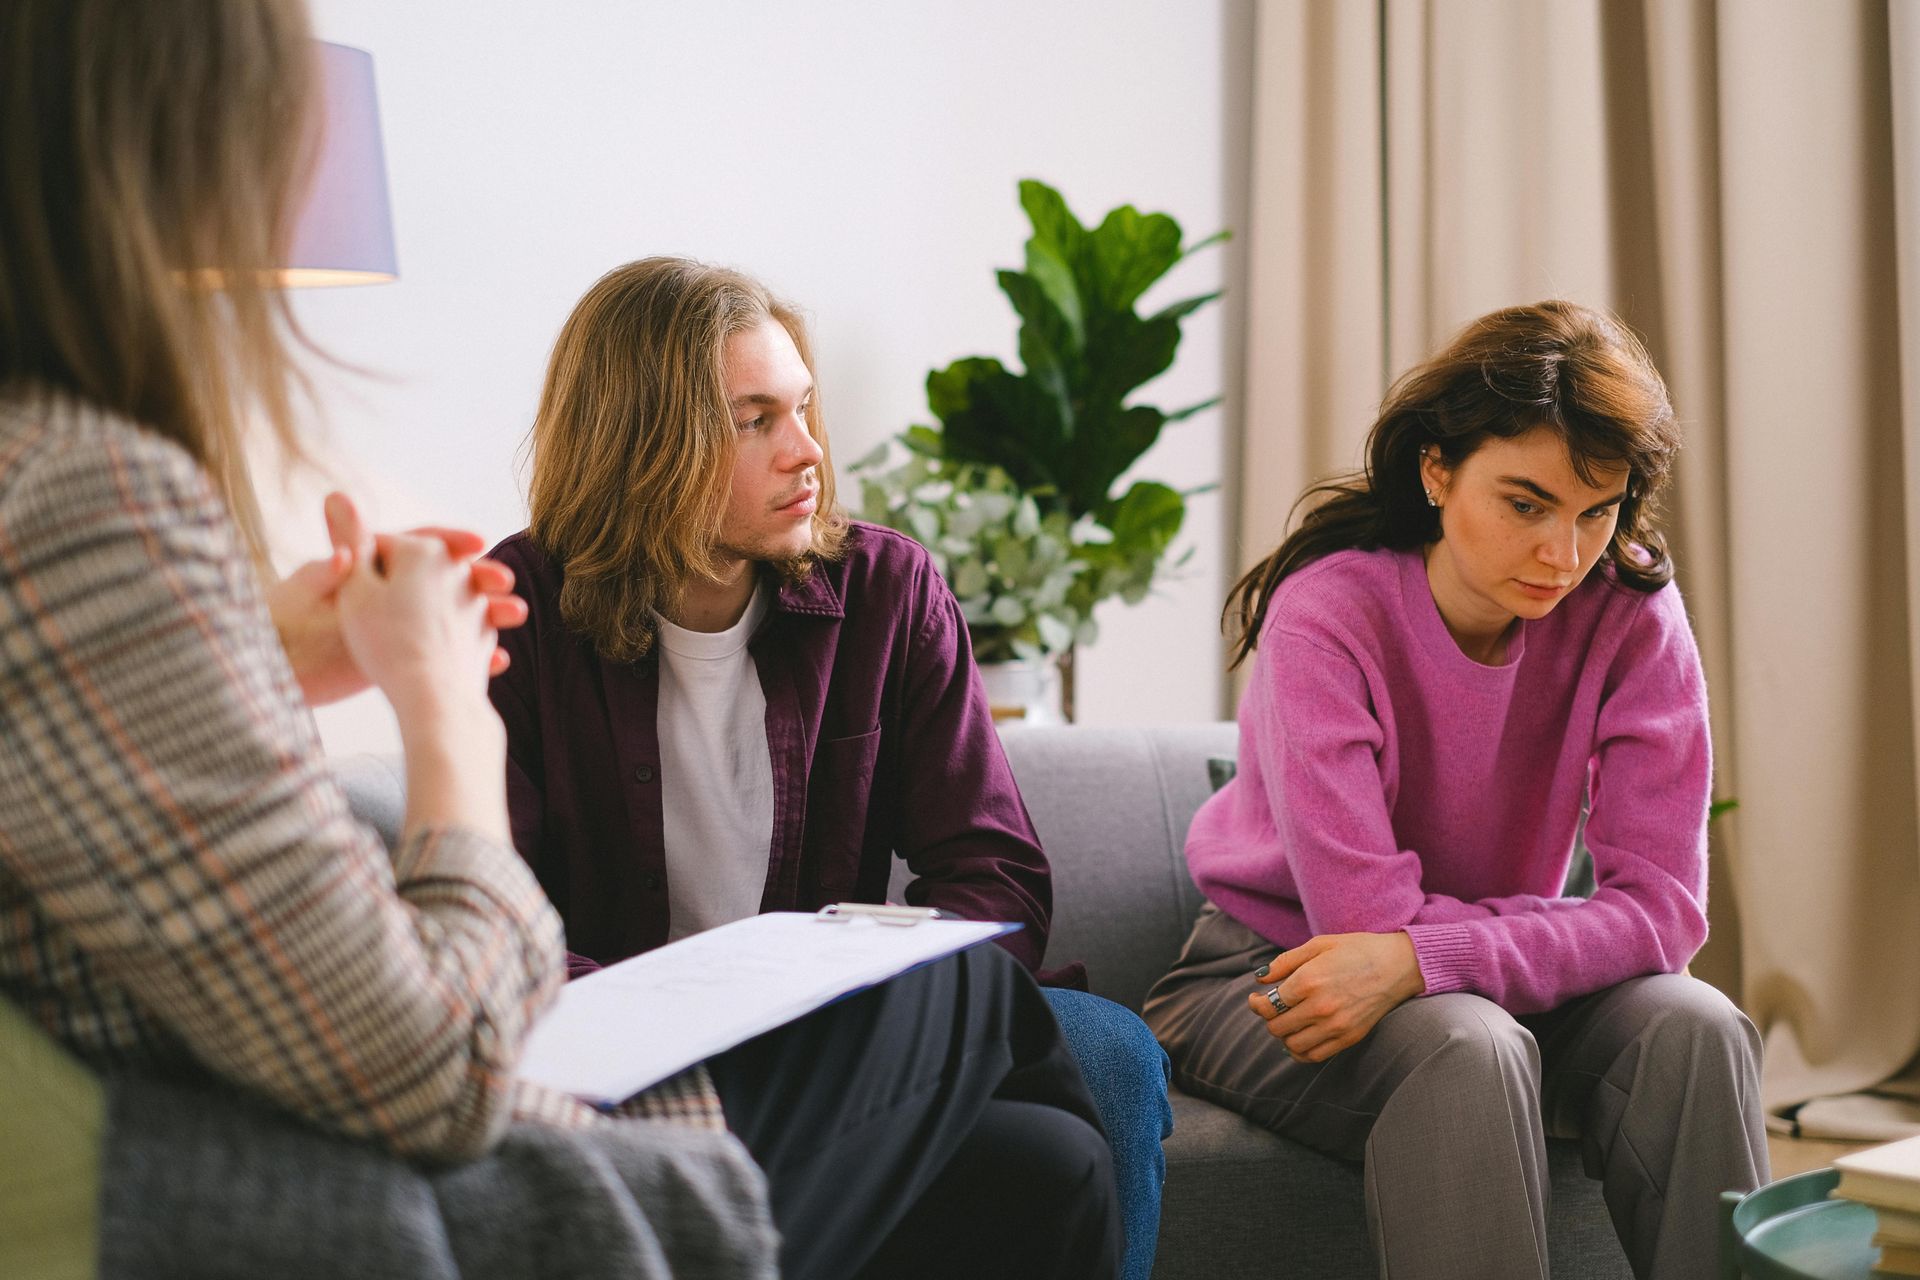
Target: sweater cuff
pixel 1445 954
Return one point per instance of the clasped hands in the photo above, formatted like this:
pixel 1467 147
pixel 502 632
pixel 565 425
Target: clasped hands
pixel 1335 987
pixel 382 605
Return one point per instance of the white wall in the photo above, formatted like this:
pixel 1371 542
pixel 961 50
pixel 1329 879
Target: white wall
pixel 859 157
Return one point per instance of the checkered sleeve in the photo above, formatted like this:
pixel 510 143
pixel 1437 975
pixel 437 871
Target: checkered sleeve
pixel 170 817
pixel 687 1099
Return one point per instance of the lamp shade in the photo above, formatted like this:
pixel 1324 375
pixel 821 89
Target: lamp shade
pixel 343 233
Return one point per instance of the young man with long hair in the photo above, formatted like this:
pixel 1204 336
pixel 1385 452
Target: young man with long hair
pixel 730 699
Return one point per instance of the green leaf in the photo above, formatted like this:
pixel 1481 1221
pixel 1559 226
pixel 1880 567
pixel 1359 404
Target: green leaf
pixel 1045 328
pixel 1008 611
pixel 1055 635
pixel 998 418
pixel 994 507
pixel 1054 226
pixel 1011 555
pixel 1181 415
pixel 950 390
pixel 969 579
pixel 964 520
pixel 925 441
pixel 933 493
pixel 1048 345
pixel 1054 277
pixel 1147 519
pixel 1107 448
pixel 1185 307
pixel 1026 517
pixel 1219 237
pixel 1131 250
pixel 1059 580
pixel 1143 523
pixel 1126 353
pixel 872 458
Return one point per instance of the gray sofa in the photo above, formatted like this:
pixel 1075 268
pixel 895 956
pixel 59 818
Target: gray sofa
pixel 1112 808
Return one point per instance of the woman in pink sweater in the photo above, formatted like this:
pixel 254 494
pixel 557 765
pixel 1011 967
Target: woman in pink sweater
pixel 1457 647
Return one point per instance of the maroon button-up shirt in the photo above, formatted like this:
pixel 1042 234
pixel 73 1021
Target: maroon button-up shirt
pixel 877 726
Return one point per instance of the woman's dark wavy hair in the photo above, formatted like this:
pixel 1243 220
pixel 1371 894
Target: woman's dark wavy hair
pixel 1556 364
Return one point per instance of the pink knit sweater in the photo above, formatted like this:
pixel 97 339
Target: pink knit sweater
pixel 1387 781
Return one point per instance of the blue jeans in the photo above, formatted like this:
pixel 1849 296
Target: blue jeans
pixel 1126 1072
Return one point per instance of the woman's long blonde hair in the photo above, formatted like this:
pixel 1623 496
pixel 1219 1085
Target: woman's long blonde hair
pixel 149 159
pixel 632 447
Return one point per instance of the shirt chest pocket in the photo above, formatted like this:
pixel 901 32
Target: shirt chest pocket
pixel 839 798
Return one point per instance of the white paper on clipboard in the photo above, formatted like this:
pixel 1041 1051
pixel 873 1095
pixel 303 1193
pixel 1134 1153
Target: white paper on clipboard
pixel 633 1024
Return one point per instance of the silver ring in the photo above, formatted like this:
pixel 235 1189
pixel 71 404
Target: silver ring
pixel 1273 998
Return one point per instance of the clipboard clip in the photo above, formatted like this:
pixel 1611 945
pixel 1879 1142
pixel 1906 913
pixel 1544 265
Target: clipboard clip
pixel 881 913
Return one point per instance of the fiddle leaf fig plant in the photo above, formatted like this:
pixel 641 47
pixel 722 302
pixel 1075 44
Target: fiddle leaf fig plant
pixel 1053 437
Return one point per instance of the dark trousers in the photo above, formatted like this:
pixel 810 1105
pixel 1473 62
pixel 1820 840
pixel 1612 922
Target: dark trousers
pixel 933 1126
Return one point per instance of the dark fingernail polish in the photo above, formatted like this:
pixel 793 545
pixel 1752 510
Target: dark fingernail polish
pixel 1261 972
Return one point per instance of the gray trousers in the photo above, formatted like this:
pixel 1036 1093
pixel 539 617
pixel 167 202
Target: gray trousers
pixel 1448 1103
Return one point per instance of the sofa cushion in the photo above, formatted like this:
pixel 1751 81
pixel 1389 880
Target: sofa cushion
pixel 1112 808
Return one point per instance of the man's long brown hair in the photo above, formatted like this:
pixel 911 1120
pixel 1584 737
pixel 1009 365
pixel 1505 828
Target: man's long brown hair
pixel 632 447
pixel 1557 364
pixel 149 157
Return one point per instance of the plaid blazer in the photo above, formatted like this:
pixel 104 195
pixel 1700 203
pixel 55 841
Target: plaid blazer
pixel 180 881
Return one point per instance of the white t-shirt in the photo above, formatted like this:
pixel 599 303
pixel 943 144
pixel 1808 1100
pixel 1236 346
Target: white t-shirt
pixel 716 774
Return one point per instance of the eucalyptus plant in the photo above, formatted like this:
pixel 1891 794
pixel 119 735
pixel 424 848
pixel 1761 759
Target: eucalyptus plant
pixel 1052 438
pixel 1011 565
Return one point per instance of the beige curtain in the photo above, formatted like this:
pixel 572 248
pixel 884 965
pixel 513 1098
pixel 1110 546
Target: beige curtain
pixel 1741 182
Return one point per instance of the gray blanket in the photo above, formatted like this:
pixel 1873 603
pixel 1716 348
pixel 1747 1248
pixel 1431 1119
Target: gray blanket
pixel 197 1183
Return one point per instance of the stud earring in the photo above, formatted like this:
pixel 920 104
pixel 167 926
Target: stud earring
pixel 1430 501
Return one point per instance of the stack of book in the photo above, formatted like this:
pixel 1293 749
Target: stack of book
pixel 1888 1179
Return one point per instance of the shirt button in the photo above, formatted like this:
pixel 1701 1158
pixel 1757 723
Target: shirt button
pixel 651 880
pixel 644 773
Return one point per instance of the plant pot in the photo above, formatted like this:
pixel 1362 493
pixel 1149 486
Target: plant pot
pixel 1024 692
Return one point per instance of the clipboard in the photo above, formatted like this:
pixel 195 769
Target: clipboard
pixel 633 1024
